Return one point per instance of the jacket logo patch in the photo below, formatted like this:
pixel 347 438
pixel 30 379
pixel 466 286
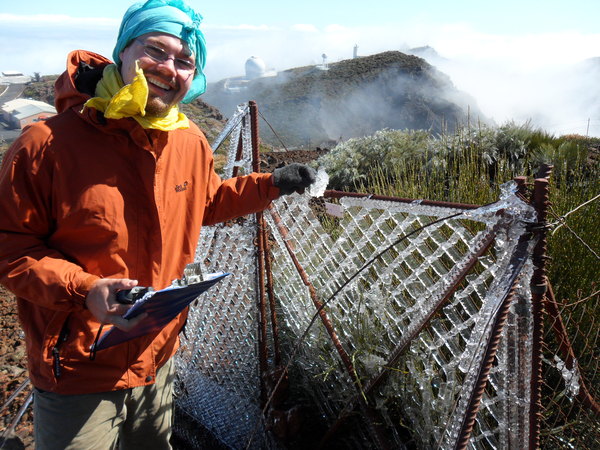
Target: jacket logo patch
pixel 181 187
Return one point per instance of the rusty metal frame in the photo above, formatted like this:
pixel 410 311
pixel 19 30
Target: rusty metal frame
pixel 539 283
pixel 491 348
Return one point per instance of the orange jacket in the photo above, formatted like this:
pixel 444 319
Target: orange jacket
pixel 83 197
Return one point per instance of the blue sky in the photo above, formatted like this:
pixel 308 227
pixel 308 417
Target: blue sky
pixel 483 43
pixel 298 33
pixel 507 16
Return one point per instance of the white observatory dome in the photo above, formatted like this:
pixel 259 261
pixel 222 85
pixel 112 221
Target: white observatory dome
pixel 255 68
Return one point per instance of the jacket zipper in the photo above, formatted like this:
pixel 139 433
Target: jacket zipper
pixel 62 337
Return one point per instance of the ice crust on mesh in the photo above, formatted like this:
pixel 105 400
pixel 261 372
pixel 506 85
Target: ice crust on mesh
pixel 335 261
pixel 317 189
pixel 240 112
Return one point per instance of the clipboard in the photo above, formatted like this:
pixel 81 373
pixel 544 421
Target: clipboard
pixel 162 307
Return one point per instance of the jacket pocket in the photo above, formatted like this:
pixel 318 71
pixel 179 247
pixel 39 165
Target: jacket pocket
pixel 62 337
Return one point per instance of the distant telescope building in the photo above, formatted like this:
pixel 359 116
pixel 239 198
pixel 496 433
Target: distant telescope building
pixel 255 68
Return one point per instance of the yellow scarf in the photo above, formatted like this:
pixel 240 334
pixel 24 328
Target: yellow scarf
pixel 117 100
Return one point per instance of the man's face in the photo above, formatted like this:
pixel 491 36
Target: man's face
pixel 168 79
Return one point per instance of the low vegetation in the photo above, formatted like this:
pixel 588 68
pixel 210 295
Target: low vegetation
pixel 469 165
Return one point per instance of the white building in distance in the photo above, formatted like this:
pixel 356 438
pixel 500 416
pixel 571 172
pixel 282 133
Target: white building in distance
pixel 255 68
pixel 20 112
pixel 14 77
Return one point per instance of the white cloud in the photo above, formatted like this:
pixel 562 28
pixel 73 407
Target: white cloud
pixel 335 28
pixel 525 77
pixel 304 27
pixel 57 20
pixel 525 51
pixel 241 27
pixel 40 43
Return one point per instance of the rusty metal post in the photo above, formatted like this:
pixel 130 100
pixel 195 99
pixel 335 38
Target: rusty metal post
pixel 262 308
pixel 255 136
pixel 521 187
pixel 484 371
pixel 260 243
pixel 271 295
pixel 265 241
pixel 538 292
pixel 517 261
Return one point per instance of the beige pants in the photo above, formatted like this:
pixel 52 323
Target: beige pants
pixel 134 418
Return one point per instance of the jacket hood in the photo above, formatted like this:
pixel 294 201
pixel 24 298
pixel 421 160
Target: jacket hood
pixel 69 89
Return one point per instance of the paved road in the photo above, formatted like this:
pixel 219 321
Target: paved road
pixel 7 93
pixel 8 135
pixel 10 92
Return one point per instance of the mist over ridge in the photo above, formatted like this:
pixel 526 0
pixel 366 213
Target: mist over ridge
pixel 319 105
pixel 557 97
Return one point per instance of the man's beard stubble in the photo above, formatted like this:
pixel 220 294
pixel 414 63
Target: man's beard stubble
pixel 156 107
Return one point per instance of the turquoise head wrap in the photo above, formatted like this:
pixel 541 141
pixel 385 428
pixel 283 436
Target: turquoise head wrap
pixel 174 17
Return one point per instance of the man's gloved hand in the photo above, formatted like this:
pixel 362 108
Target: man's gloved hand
pixel 294 177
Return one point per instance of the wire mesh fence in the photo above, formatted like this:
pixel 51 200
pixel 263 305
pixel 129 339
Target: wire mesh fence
pixel 571 415
pixel 396 308
pixel 388 323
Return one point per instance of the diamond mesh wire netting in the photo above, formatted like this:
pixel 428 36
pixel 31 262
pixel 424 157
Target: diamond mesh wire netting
pixel 391 308
pixel 397 324
pixel 217 364
pixel 571 418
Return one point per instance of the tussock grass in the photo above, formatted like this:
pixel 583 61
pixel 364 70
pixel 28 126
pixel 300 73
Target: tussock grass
pixel 469 166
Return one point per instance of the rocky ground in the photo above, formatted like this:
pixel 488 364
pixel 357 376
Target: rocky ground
pixel 13 373
pixel 272 160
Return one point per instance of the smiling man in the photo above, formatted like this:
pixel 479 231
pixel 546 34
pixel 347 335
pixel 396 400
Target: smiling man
pixel 168 77
pixel 109 193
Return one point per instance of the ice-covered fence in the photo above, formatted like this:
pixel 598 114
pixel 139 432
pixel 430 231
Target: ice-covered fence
pixel 421 315
pixel 395 320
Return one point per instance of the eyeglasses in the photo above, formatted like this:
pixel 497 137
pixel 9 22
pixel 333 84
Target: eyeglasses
pixel 159 55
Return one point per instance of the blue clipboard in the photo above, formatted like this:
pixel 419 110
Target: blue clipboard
pixel 162 307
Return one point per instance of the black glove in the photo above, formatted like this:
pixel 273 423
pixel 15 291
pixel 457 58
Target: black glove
pixel 294 178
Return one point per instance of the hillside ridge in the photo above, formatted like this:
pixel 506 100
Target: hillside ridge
pixel 309 106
